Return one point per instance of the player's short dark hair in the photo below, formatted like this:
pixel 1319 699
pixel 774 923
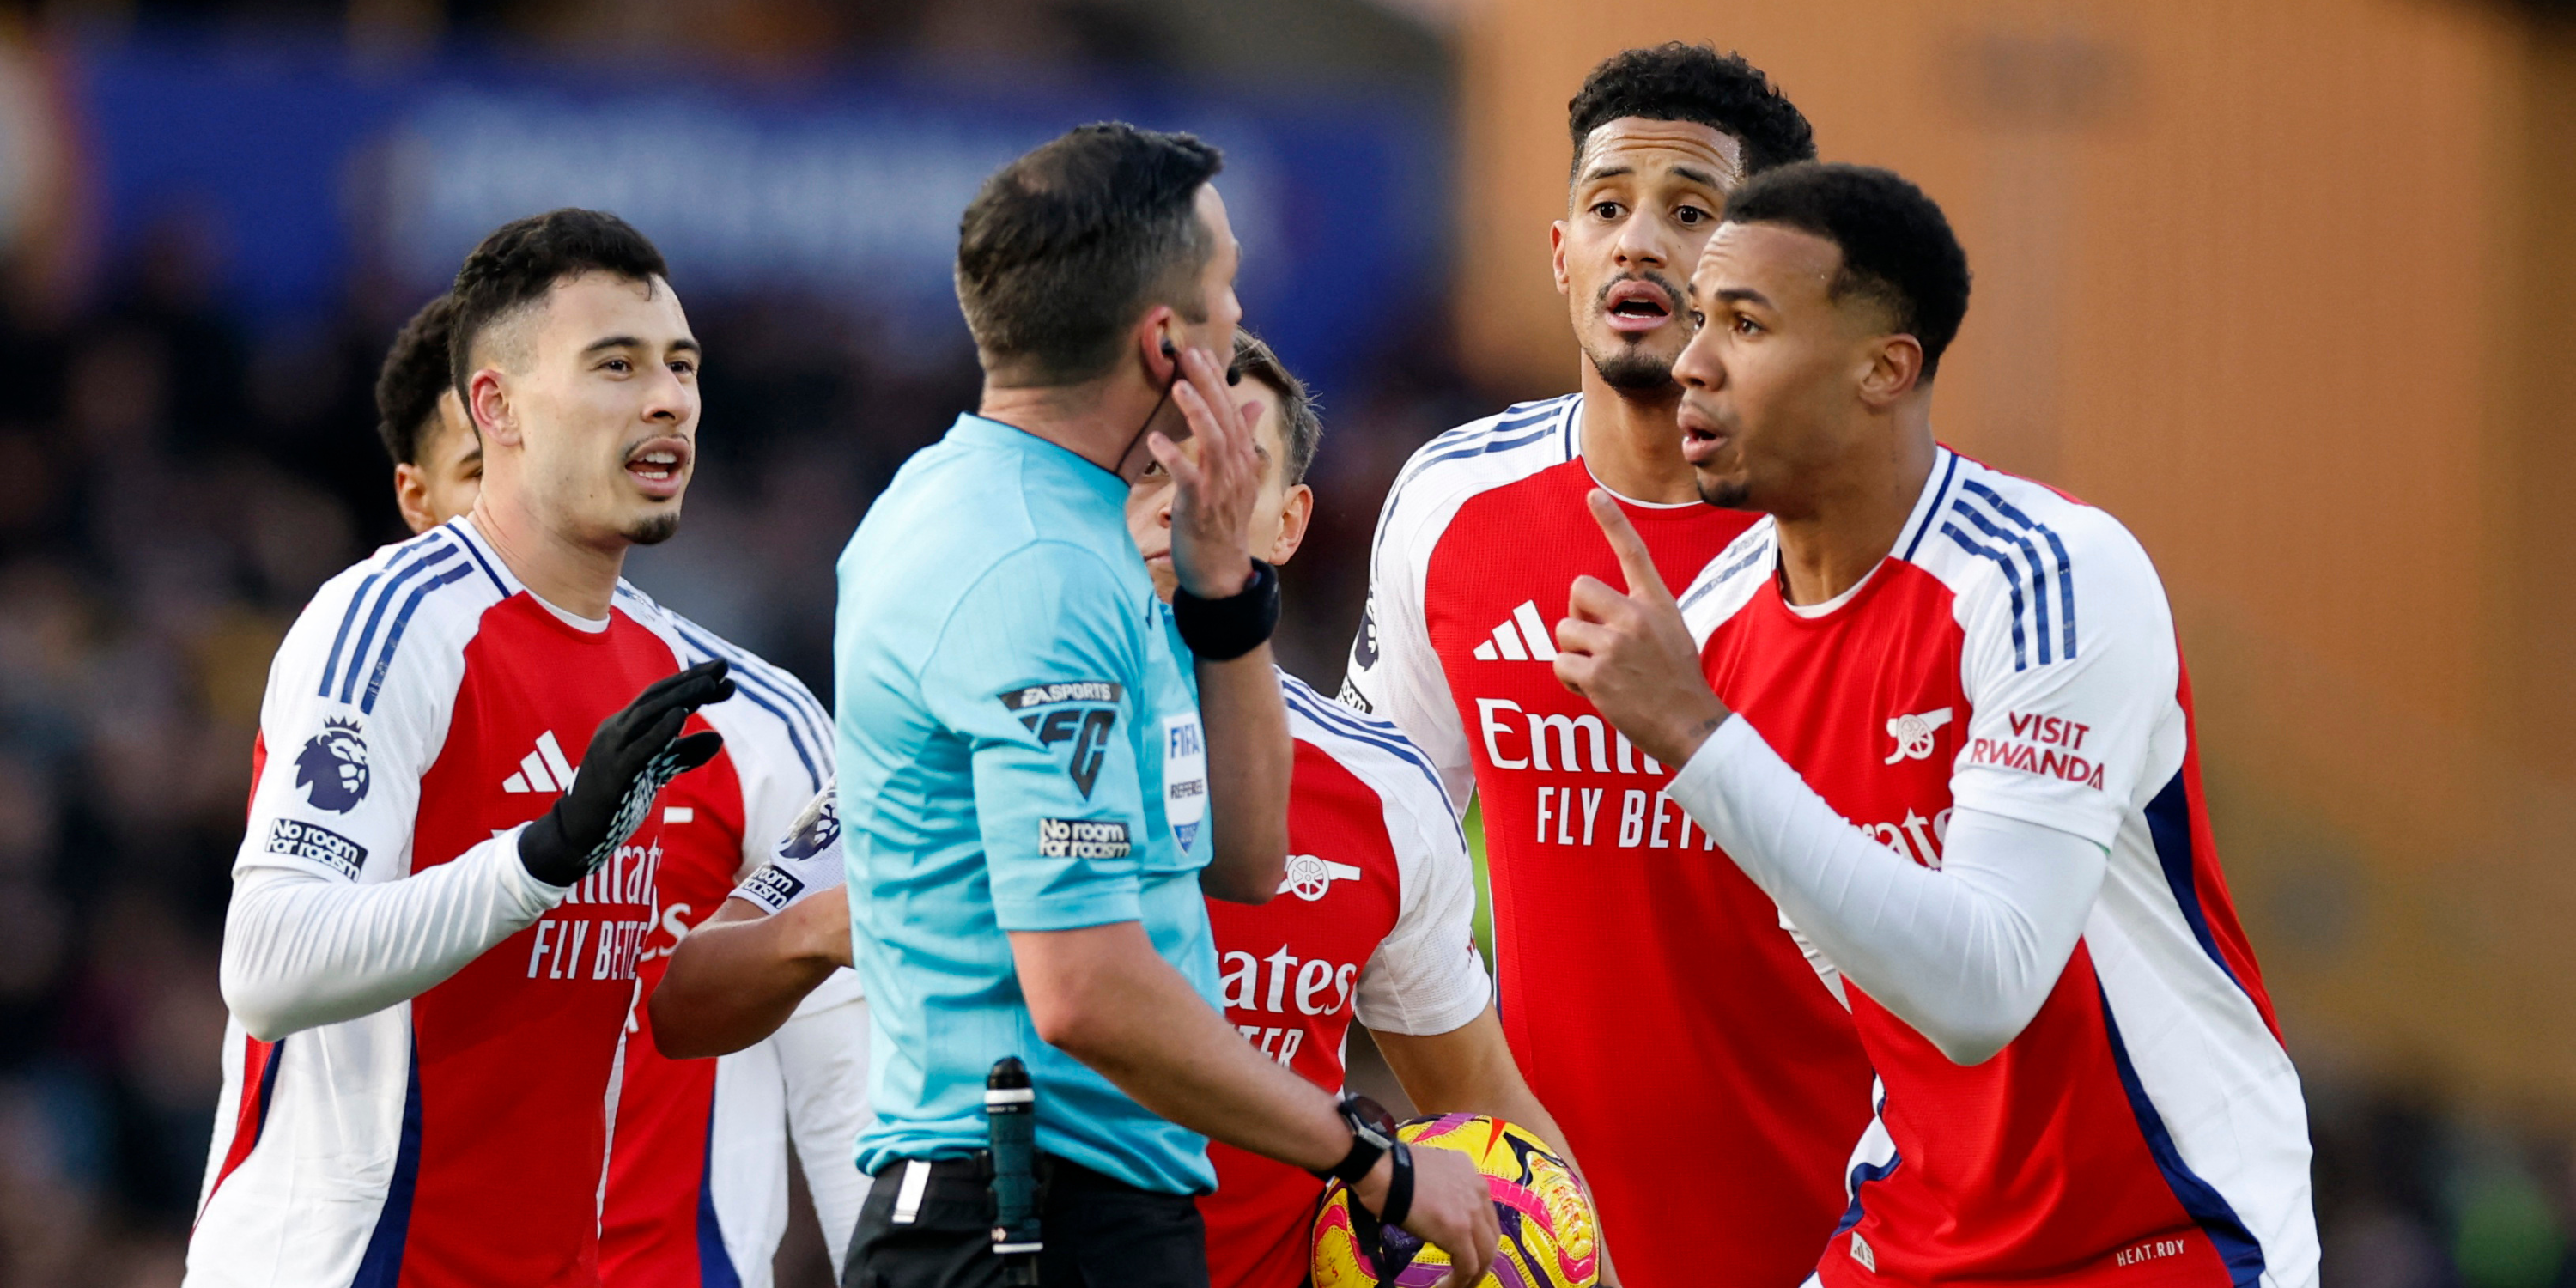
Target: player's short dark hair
pixel 1677 82
pixel 523 259
pixel 415 373
pixel 1065 246
pixel 1301 430
pixel 1897 247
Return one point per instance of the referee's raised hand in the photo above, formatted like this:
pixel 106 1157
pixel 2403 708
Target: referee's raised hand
pixel 1215 480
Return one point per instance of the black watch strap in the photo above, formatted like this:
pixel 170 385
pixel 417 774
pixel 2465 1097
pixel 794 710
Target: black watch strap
pixel 1372 1135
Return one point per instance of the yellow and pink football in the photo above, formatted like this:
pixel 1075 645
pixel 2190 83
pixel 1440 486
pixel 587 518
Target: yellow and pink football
pixel 1550 1238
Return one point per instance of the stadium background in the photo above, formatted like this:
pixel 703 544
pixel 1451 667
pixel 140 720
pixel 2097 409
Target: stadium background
pixel 2284 284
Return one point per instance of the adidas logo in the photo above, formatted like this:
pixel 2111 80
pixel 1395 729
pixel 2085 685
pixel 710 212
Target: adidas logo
pixel 544 770
pixel 1521 638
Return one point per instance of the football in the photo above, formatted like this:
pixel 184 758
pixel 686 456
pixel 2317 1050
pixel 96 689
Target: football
pixel 1549 1233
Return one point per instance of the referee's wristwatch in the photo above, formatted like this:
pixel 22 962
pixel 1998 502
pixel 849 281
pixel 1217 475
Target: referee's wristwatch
pixel 1372 1136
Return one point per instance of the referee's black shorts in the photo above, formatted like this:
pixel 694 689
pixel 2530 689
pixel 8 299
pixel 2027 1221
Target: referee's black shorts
pixel 1100 1232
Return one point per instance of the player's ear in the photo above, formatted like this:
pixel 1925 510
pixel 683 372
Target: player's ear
pixel 487 396
pixel 1158 344
pixel 411 496
pixel 1893 370
pixel 1556 256
pixel 1300 511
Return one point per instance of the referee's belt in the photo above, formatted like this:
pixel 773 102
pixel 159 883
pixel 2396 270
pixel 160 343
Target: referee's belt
pixel 913 1177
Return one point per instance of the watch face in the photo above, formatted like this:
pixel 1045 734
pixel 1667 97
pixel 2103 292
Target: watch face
pixel 1370 1117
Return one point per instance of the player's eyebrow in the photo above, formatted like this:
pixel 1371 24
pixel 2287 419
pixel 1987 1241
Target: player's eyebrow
pixel 684 344
pixel 1745 295
pixel 1696 175
pixel 1598 174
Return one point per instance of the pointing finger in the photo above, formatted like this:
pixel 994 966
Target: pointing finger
pixel 1644 582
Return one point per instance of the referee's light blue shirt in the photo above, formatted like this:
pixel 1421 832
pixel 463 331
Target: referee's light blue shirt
pixel 1020 750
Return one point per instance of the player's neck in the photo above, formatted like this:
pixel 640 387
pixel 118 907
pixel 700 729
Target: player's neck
pixel 577 577
pixel 1632 444
pixel 1091 421
pixel 1853 512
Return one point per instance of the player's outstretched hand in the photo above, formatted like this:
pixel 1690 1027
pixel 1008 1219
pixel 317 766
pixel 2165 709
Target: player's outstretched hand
pixel 632 757
pixel 1453 1210
pixel 1214 482
pixel 1631 655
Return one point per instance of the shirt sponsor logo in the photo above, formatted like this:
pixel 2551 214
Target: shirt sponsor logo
pixel 1310 878
pixel 1082 713
pixel 773 887
pixel 1918 838
pixel 2041 745
pixel 2004 753
pixel 1292 986
pixel 300 840
pixel 1913 734
pixel 1047 695
pixel 1071 838
pixel 332 768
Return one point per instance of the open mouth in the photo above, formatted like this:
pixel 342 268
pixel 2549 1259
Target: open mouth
pixel 1636 306
pixel 1701 439
pixel 658 465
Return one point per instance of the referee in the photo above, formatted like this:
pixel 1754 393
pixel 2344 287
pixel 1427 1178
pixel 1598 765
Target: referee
pixel 1043 769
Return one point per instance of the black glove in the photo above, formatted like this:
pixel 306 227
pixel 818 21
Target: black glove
pixel 631 759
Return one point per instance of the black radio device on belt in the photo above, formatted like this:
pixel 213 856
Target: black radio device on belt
pixel 1011 1122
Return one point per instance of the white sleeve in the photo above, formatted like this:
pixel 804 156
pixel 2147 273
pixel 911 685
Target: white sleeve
pixel 806 860
pixel 2064 704
pixel 326 921
pixel 1393 673
pixel 1426 977
pixel 303 950
pixel 823 1055
pixel 1830 975
pixel 1964 953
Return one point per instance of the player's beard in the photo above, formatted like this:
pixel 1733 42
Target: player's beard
pixel 1725 494
pixel 654 529
pixel 1631 370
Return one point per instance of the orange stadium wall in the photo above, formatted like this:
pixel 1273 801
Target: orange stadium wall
pixel 2290 287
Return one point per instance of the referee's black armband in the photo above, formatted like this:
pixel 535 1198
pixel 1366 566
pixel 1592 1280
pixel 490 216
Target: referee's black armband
pixel 1221 630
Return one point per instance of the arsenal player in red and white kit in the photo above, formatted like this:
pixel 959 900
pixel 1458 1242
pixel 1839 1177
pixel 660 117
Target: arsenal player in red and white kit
pixel 697 1175
pixel 1938 713
pixel 1637 978
pixel 430 958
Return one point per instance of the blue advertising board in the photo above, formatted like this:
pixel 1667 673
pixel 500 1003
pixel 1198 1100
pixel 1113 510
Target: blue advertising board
pixel 316 163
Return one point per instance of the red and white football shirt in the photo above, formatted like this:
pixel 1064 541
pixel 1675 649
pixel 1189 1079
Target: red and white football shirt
pixel 1376 918
pixel 457 1138
pixel 1647 989
pixel 2015 655
pixel 697 1176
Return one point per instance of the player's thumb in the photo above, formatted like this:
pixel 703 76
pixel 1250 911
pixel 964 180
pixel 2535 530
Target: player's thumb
pixel 1635 563
pixel 696 749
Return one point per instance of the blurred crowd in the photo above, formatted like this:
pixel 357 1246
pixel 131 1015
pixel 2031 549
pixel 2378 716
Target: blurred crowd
pixel 174 483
